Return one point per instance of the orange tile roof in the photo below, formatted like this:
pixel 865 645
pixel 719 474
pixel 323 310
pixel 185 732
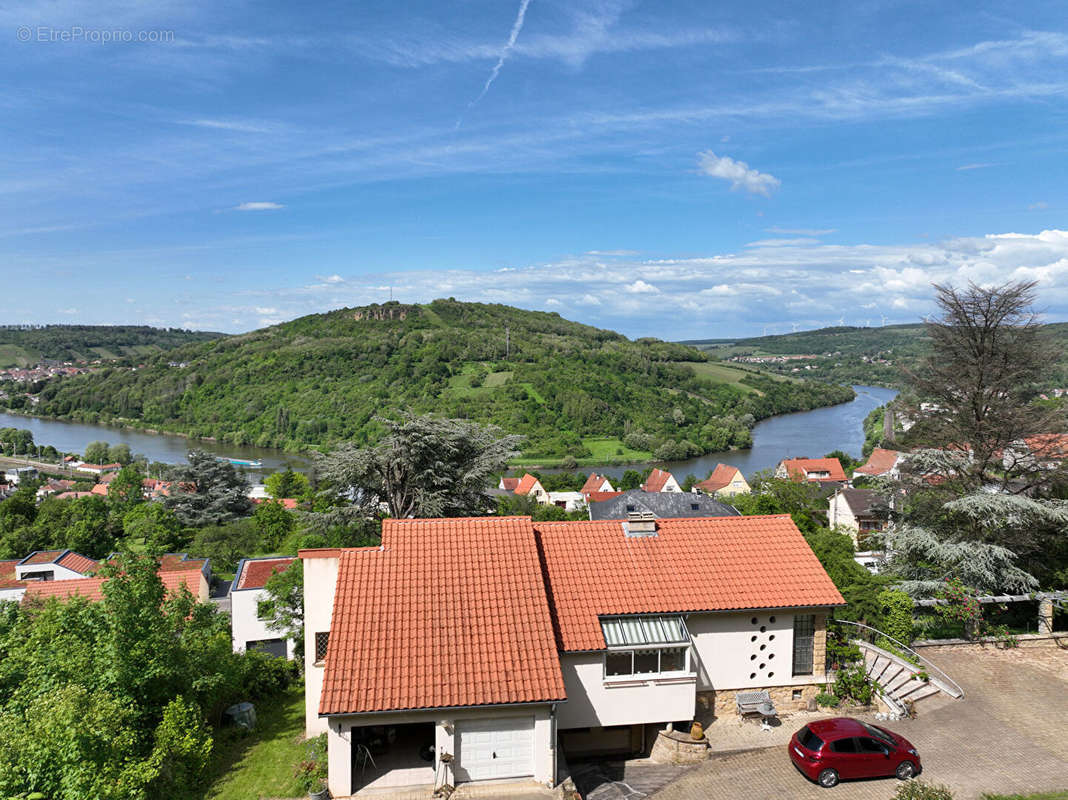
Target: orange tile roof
pixel 509 484
pixel 600 497
pixel 78 563
pixel 526 485
pixel 99 489
pixel 798 468
pixel 287 502
pixel 447 613
pixel 1048 445
pixel 42 557
pixel 7 575
pixel 72 495
pixel 879 462
pixel 656 481
pixel 721 476
pixel 710 564
pixel 254 572
pixel 93 588
pixel 594 483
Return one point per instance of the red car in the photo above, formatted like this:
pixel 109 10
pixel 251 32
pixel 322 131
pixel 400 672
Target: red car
pixel 830 750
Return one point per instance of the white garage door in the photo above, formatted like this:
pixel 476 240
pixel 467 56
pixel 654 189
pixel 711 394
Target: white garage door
pixel 492 749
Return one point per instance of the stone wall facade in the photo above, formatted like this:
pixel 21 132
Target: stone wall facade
pixel 722 703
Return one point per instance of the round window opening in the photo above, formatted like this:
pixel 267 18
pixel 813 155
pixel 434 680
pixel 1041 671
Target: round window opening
pixel 771 619
pixel 771 636
pixel 770 674
pixel 752 675
pixel 763 646
pixel 752 657
pixel 763 628
pixel 771 656
pixel 762 666
pixel 754 620
pixel 752 638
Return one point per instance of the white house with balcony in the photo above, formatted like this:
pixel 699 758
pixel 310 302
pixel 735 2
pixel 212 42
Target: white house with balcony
pixel 502 642
pixel 249 620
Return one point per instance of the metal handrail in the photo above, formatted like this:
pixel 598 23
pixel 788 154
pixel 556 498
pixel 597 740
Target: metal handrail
pixel 906 648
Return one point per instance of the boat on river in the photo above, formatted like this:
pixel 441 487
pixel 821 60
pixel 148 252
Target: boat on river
pixel 240 462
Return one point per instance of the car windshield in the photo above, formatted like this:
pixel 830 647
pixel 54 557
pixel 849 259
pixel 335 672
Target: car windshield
pixel 809 739
pixel 879 733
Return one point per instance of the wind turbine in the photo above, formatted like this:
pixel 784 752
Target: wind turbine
pixel 884 319
pixel 841 321
pixel 794 326
pixel 868 325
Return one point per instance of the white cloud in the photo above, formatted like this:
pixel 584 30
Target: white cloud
pixel 68 311
pixel 517 26
pixel 782 242
pixel 738 173
pixel 552 302
pixel 266 310
pixel 332 279
pixel 259 205
pixel 641 287
pixel 967 167
pixel 1041 204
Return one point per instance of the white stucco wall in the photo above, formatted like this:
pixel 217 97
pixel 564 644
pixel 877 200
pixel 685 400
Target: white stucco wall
pixel 572 500
pixel 339 737
pixel 245 624
pixel 320 580
pixel 727 643
pixel 839 515
pixel 594 702
pixel 58 573
pixel 13 595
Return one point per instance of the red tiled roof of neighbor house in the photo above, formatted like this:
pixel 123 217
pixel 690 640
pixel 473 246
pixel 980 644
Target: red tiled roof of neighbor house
pixel 254 572
pixel 526 484
pixel 7 575
pixel 600 497
pixel 42 557
pixel 446 613
pixel 709 564
pixel 509 484
pixel 797 468
pixel 593 483
pixel 721 476
pixel 93 588
pixel 1048 445
pixel 287 502
pixel 656 481
pixel 72 495
pixel 100 489
pixel 78 563
pixel 107 478
pixel 879 462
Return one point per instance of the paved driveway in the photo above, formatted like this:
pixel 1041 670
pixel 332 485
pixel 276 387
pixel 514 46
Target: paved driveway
pixel 1008 735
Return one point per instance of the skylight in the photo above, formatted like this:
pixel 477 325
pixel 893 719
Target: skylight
pixel 644 631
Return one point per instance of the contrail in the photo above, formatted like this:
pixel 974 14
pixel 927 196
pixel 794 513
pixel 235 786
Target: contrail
pixel 517 26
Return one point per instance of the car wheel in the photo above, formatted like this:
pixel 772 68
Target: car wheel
pixel 905 770
pixel 828 778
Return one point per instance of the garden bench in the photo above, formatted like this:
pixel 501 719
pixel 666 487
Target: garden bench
pixel 756 703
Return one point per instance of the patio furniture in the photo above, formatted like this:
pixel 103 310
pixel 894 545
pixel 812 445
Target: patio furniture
pixel 363 755
pixel 751 703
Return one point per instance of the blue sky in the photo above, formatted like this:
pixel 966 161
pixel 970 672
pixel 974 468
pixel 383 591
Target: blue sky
pixel 670 169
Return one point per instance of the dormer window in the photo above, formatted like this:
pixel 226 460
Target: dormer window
pixel 647 646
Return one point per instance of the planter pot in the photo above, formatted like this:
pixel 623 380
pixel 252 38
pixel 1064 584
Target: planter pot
pixel 322 794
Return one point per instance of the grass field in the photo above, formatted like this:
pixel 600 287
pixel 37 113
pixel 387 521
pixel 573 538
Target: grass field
pixel 261 764
pixel 12 355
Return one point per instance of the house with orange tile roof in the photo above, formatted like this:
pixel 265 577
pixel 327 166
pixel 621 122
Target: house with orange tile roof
pixel 97 469
pixel 881 463
pixel 596 483
pixel 192 578
pixel 725 480
pixel 504 642
pixel 814 470
pixel 54 565
pixel 660 481
pixel 1042 451
pixel 530 486
pixel 248 626
pixel 508 484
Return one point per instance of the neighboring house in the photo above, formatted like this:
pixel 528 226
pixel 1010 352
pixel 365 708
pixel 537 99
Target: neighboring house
pixel 72 495
pixel 508 484
pixel 1044 450
pixel 18 474
pixel 500 640
pixel 725 480
pixel 595 484
pixel 98 469
pixel 257 492
pixel 598 497
pixel 569 501
pixel 857 511
pixel 530 486
pixel 55 565
pixel 54 487
pixel 881 463
pixel 662 505
pixel 248 628
pixel 11 588
pixel 660 481
pixel 814 470
pixel 92 588
pixel 288 503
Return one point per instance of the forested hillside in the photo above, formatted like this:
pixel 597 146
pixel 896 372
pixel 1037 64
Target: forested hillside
pixel 22 346
pixel 572 390
pixel 856 355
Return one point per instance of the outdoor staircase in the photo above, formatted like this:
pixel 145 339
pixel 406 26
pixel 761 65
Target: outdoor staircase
pixel 898 679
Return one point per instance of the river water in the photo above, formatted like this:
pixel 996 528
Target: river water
pixel 806 433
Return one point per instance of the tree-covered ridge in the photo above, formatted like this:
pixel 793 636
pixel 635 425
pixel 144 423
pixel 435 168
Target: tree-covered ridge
pixel 22 345
pixel 322 379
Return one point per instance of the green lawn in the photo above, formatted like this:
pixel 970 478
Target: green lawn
pixel 261 764
pixel 604 452
pixel 720 373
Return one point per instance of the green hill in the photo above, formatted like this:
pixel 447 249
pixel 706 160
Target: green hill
pixel 23 346
pixel 571 389
pixel 854 355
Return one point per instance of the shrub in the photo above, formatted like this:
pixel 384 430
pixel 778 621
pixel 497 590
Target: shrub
pixel 311 771
pixel 827 699
pixel 263 675
pixel 918 790
pixel 852 683
pixel 896 608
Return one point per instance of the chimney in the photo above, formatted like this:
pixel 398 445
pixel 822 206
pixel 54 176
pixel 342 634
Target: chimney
pixel 640 523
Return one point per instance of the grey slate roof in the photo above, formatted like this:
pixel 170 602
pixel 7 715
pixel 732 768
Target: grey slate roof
pixel 663 505
pixel 862 502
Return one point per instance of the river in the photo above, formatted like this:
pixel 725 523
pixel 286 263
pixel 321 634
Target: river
pixel 806 433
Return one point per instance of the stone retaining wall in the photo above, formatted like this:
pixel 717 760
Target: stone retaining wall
pixel 723 703
pixel 1058 640
pixel 676 747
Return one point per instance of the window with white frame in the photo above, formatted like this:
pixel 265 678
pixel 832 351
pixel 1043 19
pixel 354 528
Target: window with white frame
pixel 646 646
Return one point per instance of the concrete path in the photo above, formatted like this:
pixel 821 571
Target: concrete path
pixel 1008 735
